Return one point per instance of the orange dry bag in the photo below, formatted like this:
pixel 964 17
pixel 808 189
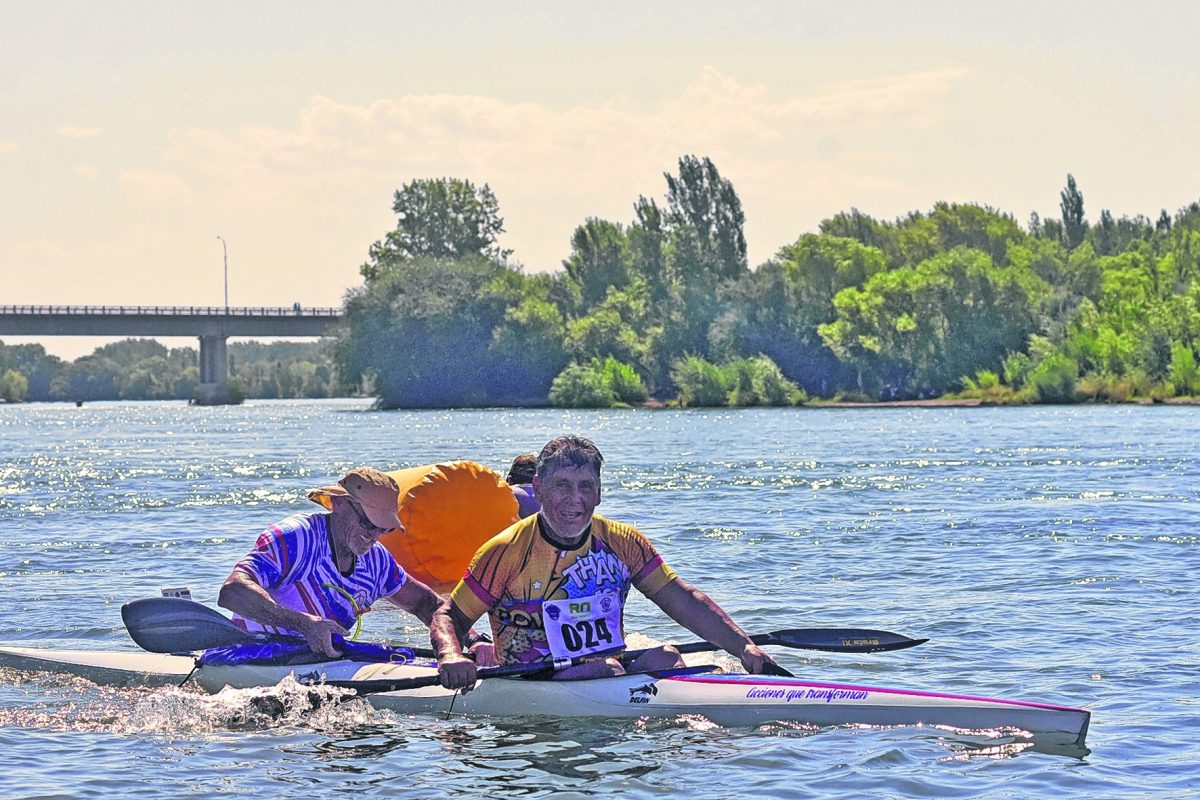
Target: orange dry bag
pixel 448 511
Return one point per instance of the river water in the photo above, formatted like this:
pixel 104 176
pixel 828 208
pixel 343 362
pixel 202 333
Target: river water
pixel 1048 553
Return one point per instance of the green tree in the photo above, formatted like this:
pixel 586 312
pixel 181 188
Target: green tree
pixel 919 330
pixel 39 369
pixel 700 199
pixel 1127 289
pixel 421 333
pixel 14 387
pixel 1035 224
pixel 1156 352
pixel 1074 224
pixel 599 383
pixel 1053 379
pixel 88 378
pixel 1104 234
pixel 599 260
pixel 862 228
pixel 1185 375
pixel 129 352
pixel 701 383
pixel 283 369
pixel 950 225
pixel 443 218
pixel 1052 230
pixel 582 386
pixel 187 383
pixel 148 379
pixel 778 308
pixel 528 345
pixel 627 386
pixel 612 328
pixel 758 381
pixel 1184 248
pixel 648 243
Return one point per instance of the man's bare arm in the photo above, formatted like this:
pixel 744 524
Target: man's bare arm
pixel 447 633
pixel 243 595
pixel 701 615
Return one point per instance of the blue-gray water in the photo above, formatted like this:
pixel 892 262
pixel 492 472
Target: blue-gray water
pixel 1049 554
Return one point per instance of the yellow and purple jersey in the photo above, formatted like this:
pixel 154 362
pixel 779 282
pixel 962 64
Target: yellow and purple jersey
pixel 514 574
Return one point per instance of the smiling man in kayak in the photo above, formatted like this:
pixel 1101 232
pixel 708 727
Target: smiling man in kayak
pixel 554 585
pixel 315 574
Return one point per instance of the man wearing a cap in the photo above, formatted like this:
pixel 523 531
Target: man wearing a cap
pixel 314 574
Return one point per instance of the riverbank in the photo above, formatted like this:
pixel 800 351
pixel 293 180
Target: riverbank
pixel 930 403
pixel 966 402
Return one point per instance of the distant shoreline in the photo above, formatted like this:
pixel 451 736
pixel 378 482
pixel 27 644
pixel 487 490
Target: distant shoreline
pixel 972 402
pixel 657 405
pixel 930 403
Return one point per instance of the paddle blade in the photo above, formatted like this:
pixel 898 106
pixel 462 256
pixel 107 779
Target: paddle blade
pixel 176 625
pixel 840 640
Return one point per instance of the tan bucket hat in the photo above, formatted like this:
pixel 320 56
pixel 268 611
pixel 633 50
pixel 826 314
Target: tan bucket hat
pixel 377 493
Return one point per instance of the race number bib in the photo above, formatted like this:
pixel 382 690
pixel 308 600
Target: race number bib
pixel 580 626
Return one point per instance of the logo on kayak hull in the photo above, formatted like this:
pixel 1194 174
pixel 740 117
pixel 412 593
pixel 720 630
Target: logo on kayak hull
pixel 643 693
pixel 313 678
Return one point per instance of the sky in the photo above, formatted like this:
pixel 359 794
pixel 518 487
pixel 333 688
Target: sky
pixel 134 134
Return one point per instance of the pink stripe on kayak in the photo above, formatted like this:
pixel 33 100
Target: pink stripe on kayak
pixel 746 679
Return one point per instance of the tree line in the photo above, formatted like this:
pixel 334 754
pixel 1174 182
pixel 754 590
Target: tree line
pixel 960 300
pixel 144 369
pixel 664 308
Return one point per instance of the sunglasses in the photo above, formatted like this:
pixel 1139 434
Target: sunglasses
pixel 364 521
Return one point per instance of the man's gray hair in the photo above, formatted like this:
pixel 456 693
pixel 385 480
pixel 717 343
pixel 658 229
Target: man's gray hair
pixel 569 451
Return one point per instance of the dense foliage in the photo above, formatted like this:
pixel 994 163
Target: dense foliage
pixel 664 308
pixel 144 369
pixel 959 299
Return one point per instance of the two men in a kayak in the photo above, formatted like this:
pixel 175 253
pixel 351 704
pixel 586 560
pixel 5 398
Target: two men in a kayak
pixel 554 585
pixel 315 574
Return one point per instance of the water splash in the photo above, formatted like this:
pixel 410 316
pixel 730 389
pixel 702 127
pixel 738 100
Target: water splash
pixel 73 704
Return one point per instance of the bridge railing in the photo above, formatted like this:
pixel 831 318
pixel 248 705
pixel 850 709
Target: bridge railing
pixel 181 311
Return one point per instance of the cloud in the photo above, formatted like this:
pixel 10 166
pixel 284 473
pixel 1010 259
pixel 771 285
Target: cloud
pixel 424 134
pixel 914 99
pixel 154 187
pixel 78 132
pixel 551 168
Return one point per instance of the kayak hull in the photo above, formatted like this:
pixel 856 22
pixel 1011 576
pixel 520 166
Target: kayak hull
pixel 104 668
pixel 726 699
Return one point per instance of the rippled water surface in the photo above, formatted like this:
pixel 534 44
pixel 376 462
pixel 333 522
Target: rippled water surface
pixel 1048 553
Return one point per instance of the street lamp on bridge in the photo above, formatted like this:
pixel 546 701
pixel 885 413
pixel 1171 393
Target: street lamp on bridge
pixel 225 255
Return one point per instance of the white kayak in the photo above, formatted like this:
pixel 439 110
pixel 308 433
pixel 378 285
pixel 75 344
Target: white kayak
pixel 127 668
pixel 726 699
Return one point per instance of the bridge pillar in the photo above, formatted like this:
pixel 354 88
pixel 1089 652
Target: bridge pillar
pixel 214 373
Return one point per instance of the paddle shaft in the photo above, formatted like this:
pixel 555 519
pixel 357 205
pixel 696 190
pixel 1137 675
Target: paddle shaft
pixel 176 625
pixel 505 671
pixel 846 640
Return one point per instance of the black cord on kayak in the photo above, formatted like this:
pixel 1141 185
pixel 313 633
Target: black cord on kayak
pixel 195 666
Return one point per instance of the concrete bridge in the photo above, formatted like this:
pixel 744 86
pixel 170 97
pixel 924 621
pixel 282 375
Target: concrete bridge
pixel 211 324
